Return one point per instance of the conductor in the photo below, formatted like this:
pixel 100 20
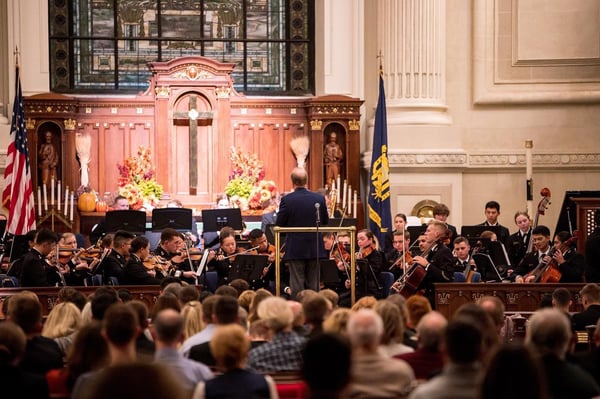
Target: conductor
pixel 302 208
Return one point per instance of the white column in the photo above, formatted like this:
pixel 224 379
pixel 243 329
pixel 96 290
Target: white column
pixel 411 37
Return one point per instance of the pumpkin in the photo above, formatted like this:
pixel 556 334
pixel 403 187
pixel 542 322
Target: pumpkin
pixel 101 206
pixel 86 202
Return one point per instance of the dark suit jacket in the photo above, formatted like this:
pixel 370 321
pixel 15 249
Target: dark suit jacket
pixel 517 248
pixel 201 353
pixel 136 274
pixel 297 209
pixel 34 273
pixel 572 269
pixel 588 317
pixel 112 265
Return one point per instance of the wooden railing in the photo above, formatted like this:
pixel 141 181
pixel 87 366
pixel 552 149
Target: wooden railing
pixel 48 296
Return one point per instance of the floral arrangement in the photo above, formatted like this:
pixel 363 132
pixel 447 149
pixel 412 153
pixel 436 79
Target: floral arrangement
pixel 136 180
pixel 246 188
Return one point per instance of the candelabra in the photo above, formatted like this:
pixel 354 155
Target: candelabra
pixel 55 210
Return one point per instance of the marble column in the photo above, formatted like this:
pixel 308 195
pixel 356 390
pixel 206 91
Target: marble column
pixel 411 39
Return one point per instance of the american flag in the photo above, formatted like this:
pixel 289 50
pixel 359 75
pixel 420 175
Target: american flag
pixel 17 196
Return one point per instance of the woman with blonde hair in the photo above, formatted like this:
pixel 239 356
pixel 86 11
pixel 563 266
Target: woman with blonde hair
pixel 192 319
pixel 393 329
pixel 63 321
pixel 337 321
pixel 245 299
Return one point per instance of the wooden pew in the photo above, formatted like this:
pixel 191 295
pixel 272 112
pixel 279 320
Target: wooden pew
pixel 49 295
pixel 516 297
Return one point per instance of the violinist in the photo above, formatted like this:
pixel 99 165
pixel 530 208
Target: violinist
pixel 221 260
pixel 113 264
pixel 570 263
pixel 135 272
pixel 172 247
pixel 441 212
pixel 400 258
pixel 77 270
pixel 399 225
pixel 370 263
pixel 337 252
pixel 541 248
pixel 259 239
pixel 36 272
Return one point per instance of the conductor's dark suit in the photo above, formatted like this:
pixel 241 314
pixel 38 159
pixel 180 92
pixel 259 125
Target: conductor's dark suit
pixel 297 209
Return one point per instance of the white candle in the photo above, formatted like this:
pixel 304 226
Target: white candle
pixel 58 196
pixel 354 214
pixel 66 200
pixel 349 200
pixel 45 198
pixel 39 201
pixel 344 195
pixel 529 173
pixel 338 186
pixel 52 191
pixel 72 197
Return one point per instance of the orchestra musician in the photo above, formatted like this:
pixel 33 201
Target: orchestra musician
pixel 422 245
pixel 368 272
pixel 399 225
pixel 221 260
pixel 519 241
pixel 441 212
pixel 258 240
pixel 337 251
pixel 113 264
pixel 437 260
pixel 570 263
pixel 135 272
pixel 463 261
pixel 172 247
pixel 492 211
pixel 77 270
pixel 36 272
pixel 400 258
pixel 541 244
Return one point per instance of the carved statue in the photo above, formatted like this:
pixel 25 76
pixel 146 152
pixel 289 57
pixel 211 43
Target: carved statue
pixel 48 159
pixel 332 157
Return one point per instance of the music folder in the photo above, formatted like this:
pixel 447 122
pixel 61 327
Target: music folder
pixel 202 263
pixel 248 267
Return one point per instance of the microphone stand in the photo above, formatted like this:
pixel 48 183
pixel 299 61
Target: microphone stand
pixel 318 222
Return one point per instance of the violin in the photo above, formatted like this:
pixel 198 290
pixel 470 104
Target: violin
pixel 402 261
pixel 154 262
pixel 366 251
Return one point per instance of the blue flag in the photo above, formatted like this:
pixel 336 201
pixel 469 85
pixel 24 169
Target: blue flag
pixel 380 215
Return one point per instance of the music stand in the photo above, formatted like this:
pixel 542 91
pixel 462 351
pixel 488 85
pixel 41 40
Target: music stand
pixel 473 233
pixel 487 268
pixel 216 219
pixel 127 220
pixel 416 231
pixel 329 272
pixel 19 246
pixel 3 227
pixel 346 222
pixel 179 219
pixel 248 267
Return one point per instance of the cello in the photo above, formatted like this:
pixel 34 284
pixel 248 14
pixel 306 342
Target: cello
pixel 541 210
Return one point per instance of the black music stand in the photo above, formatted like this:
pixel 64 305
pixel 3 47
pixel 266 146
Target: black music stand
pixel 3 227
pixel 329 272
pixel 216 219
pixel 416 231
pixel 17 247
pixel 127 220
pixel 248 267
pixel 180 219
pixel 473 233
pixel 487 268
pixel 346 222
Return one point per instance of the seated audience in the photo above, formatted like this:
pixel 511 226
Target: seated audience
pixel 337 321
pixel 144 346
pixel 373 374
pixel 284 352
pixel 495 309
pixel 590 360
pixel 204 335
pixel 327 362
pixel 167 331
pixel 417 306
pixel 427 361
pixel 549 334
pixel 193 321
pixel 316 308
pixel 393 329
pixel 41 353
pixel 17 383
pixel 62 325
pixel 230 346
pixel 590 299
pixel 463 349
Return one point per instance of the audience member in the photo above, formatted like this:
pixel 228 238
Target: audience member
pixel 409 338
pixel 298 325
pixel 204 335
pixel 167 331
pixel 245 299
pixel 316 308
pixel 337 321
pixel 70 294
pixel 513 372
pixel 561 300
pixel 259 333
pixel 17 383
pixel 373 374
pixel 230 346
pixel 103 298
pixel 261 294
pixel 41 353
pixel 427 361
pixel 393 330
pixel 89 352
pixel 366 302
pixel 549 334
pixel 193 321
pixel 284 352
pixel 166 301
pixel 144 346
pixel 227 290
pixel 62 324
pixel 240 285
pixel 327 360
pixel 590 360
pixel 463 348
pixel 417 306
pixel 484 322
pixel 495 309
pixel 331 296
pixel 590 299
pixel 187 294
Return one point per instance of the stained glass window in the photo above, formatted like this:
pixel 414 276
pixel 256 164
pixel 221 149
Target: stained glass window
pixel 106 45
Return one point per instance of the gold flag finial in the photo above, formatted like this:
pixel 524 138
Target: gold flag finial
pixel 380 57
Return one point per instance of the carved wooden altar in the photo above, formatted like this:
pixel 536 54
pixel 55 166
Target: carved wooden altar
pixel 192 99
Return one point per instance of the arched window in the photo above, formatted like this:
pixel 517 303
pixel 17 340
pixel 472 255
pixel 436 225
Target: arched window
pixel 105 46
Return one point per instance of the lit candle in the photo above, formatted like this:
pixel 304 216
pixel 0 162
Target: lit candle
pixel 39 201
pixel 52 191
pixel 58 196
pixel 45 198
pixel 66 201
pixel 354 214
pixel 338 186
pixel 72 197
pixel 349 210
pixel 344 195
